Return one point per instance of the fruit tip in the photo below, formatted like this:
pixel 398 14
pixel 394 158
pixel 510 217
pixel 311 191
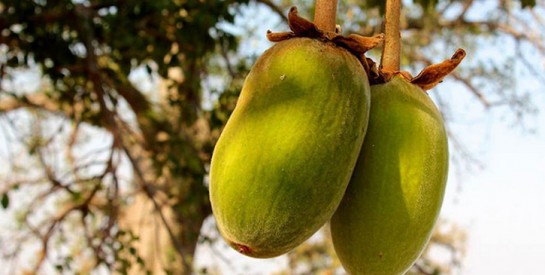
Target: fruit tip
pixel 244 249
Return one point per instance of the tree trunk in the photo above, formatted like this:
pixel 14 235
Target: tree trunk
pixel 154 244
pixel 169 229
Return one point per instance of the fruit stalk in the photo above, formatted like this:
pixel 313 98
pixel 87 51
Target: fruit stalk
pixel 325 14
pixel 391 53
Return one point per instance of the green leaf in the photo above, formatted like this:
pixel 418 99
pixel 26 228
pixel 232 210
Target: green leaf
pixel 5 200
pixel 528 3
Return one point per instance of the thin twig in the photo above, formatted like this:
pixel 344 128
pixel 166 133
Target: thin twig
pixel 274 8
pixel 467 4
pixel 56 221
pixel 472 89
pixel 150 194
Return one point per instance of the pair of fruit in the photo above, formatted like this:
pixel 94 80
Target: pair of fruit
pixel 292 155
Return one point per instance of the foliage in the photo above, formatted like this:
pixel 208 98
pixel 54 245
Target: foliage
pixel 87 51
pixel 102 171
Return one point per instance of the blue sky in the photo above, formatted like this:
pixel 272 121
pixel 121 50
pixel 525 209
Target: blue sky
pixel 502 206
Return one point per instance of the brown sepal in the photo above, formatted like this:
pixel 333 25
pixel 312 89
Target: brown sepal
pixel 434 74
pixel 279 36
pixel 358 44
pixel 302 27
pixel 372 70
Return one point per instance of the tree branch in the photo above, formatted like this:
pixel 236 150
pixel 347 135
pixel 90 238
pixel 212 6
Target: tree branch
pixel 274 8
pixel 36 100
pixel 466 5
pixel 83 206
pixel 472 89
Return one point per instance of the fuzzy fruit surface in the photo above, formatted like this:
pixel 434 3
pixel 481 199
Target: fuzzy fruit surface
pixel 395 194
pixel 283 161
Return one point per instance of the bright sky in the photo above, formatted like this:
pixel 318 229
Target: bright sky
pixel 502 207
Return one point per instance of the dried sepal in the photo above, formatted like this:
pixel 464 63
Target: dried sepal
pixel 370 68
pixel 373 70
pixel 300 26
pixel 363 61
pixel 384 76
pixel 279 36
pixel 406 75
pixel 359 44
pixel 434 74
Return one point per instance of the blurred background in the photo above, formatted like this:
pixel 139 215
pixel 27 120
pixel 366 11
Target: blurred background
pixel 109 112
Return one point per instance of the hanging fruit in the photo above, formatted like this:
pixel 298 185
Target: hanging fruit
pixel 395 195
pixel 283 161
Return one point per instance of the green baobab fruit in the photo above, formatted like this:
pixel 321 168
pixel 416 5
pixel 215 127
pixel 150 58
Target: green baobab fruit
pixel 285 157
pixel 394 197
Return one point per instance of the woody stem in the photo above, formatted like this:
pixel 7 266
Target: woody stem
pixel 325 14
pixel 391 53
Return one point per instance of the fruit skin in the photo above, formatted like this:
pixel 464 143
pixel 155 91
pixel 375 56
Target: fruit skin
pixel 284 159
pixel 395 194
